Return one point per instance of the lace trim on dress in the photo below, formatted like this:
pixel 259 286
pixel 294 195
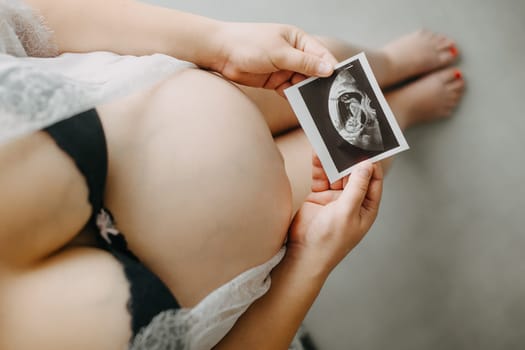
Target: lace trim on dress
pixel 204 325
pixel 31 98
pixel 38 92
pixel 23 32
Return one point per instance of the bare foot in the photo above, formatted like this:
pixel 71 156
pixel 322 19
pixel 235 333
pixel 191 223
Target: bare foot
pixel 433 96
pixel 418 53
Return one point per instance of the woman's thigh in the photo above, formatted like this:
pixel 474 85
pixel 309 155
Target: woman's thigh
pixel 297 154
pixel 44 199
pixel 195 182
pixel 76 299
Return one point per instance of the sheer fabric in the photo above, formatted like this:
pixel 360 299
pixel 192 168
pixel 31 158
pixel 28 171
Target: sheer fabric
pixel 39 88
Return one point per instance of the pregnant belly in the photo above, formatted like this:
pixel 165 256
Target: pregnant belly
pixel 199 189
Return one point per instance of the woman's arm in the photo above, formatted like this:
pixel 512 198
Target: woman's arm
pixel 265 55
pixel 128 27
pixel 272 321
pixel 327 227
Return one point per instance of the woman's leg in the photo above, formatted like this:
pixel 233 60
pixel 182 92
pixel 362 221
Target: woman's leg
pixel 195 182
pixel 406 57
pixel 76 299
pixel 44 199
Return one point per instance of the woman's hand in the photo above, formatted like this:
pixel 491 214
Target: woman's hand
pixel 333 220
pixel 272 56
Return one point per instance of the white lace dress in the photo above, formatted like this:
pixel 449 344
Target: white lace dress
pixel 39 88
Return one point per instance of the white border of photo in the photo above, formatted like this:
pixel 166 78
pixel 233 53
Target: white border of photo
pixel 312 133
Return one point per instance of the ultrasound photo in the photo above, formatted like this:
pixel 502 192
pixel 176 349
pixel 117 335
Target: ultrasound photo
pixel 346 117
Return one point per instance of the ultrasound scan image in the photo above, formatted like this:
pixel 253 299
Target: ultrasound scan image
pixel 351 114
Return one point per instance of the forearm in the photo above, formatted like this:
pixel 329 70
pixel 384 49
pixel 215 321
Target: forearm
pixel 129 27
pixel 272 321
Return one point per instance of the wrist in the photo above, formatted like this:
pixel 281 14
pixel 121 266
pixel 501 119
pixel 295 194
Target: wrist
pixel 309 261
pixel 220 40
pixel 193 38
pixel 209 49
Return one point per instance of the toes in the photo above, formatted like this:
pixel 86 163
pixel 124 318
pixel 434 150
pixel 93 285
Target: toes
pixel 451 74
pixel 453 86
pixel 448 54
pixel 450 106
pixel 420 52
pixel 445 43
pixel 456 85
pixel 446 49
pixel 455 82
pixel 446 57
pixel 453 49
pixel 440 41
pixel 455 90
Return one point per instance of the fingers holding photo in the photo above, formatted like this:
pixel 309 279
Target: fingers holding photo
pixel 372 199
pixel 320 181
pixel 273 56
pixel 334 221
pixel 346 118
pixel 359 201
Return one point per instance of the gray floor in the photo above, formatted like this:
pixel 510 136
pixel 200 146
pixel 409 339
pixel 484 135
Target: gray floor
pixel 444 266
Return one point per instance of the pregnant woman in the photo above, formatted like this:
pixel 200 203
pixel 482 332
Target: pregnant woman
pixel 150 188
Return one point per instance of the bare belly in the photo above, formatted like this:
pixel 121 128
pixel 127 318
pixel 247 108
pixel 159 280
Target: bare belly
pixel 195 182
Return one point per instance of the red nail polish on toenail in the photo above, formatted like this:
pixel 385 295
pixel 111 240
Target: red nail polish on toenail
pixel 453 51
pixel 457 74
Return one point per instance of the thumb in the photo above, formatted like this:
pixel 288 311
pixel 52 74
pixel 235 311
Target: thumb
pixel 304 63
pixel 355 190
